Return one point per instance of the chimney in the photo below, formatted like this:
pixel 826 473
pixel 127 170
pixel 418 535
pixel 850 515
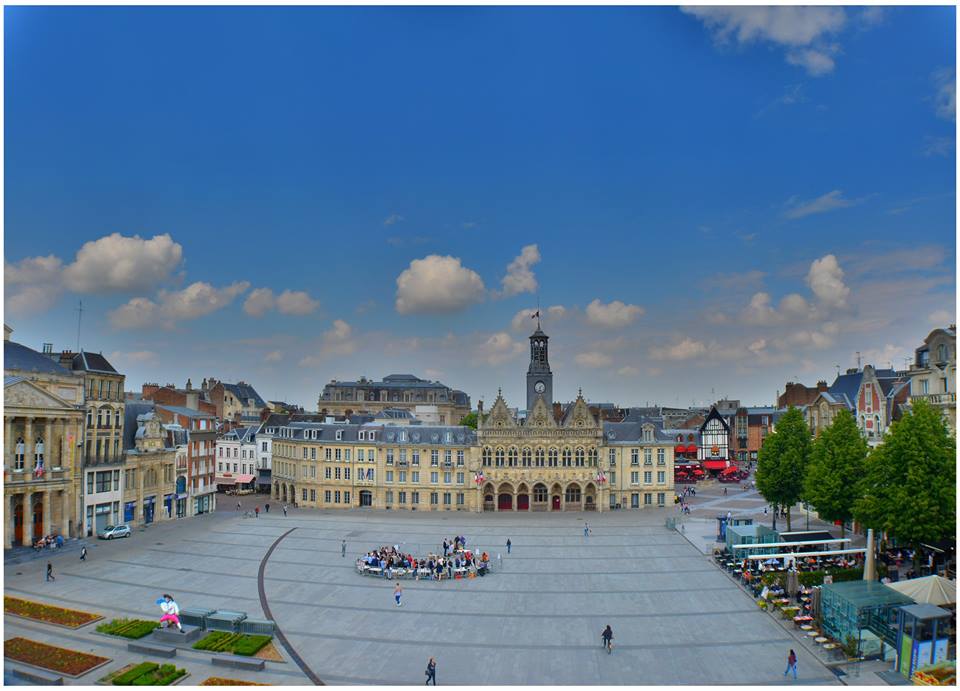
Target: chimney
pixel 189 385
pixel 148 390
pixel 6 332
pixel 821 385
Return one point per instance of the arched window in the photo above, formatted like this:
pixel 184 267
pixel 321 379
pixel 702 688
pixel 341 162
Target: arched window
pixel 19 454
pixel 552 458
pixel 525 456
pixel 487 457
pixel 38 450
pixel 512 458
pixel 499 455
pixel 567 458
pixel 116 418
pixel 573 494
pixel 942 353
pixel 539 493
pixel 592 455
pixel 579 457
pixel 539 457
pixel 90 418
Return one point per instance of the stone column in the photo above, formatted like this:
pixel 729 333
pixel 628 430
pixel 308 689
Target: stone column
pixel 28 445
pixel 27 540
pixel 62 449
pixel 8 528
pixel 138 513
pixel 67 517
pixel 47 443
pixel 8 442
pixel 46 512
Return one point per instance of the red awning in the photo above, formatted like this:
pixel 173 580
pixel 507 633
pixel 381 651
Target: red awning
pixel 730 471
pixel 715 465
pixel 680 449
pixel 692 448
pixel 244 479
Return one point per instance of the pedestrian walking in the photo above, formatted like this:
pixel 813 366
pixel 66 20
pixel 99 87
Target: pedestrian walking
pixel 50 572
pixel 256 510
pixel 83 553
pixel 397 594
pixel 586 529
pixel 607 638
pixel 267 507
pixel 238 506
pixel 284 510
pixel 431 672
pixel 791 664
pixel 343 548
pixel 508 545
pixel 764 510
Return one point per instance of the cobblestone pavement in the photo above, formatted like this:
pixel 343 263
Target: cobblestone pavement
pixel 677 619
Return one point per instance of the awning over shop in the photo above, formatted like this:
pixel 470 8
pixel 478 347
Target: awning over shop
pixel 226 481
pixel 729 471
pixel 715 465
pixel 245 479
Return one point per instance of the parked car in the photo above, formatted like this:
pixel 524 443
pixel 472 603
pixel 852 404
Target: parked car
pixel 112 531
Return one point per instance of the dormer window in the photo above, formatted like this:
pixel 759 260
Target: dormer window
pixel 339 434
pixel 361 435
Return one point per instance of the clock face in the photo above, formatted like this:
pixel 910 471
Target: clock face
pixel 539 387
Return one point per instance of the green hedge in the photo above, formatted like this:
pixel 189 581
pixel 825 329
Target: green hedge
pixel 236 643
pixel 128 628
pixel 811 578
pixel 149 674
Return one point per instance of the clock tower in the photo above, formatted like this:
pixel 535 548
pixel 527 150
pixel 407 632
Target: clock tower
pixel 539 376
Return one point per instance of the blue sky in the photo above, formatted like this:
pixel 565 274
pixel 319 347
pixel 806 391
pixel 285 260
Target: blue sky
pixel 714 201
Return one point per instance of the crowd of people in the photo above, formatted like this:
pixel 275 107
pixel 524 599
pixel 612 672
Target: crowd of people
pixel 455 559
pixel 51 541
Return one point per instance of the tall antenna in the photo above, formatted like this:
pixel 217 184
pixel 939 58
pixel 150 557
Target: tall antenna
pixel 79 317
pixel 838 369
pixel 858 359
pixel 538 309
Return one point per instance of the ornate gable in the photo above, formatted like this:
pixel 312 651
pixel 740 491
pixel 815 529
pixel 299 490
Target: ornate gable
pixel 499 415
pixel 541 416
pixel 579 415
pixel 26 394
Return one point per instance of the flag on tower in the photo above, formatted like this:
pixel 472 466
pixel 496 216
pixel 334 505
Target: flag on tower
pixel 535 315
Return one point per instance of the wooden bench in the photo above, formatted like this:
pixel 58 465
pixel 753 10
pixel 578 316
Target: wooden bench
pixel 152 650
pixel 37 677
pixel 238 662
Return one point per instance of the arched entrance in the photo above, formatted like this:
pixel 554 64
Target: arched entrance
pixel 541 497
pixel 38 518
pixel 556 494
pixel 489 503
pixel 505 498
pixel 284 492
pixel 590 498
pixel 572 497
pixel 18 522
pixel 523 498
pixel 366 498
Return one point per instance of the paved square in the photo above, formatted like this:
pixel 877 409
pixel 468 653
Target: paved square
pixel 676 618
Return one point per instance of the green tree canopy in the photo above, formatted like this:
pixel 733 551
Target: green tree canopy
pixel 909 487
pixel 836 468
pixel 782 462
pixel 470 420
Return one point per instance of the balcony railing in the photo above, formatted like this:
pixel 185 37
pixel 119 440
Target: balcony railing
pixel 936 398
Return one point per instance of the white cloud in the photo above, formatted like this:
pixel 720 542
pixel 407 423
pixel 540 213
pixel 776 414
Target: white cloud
pixel 338 340
pixel 497 349
pixel 757 346
pixel 613 315
pixel 137 356
pixel 33 284
pixel 825 279
pixel 888 355
pixel 871 16
pixel 942 318
pixel 196 300
pixel 681 350
pixel 795 305
pixel 259 302
pixel 759 311
pixel 520 278
pixel 392 219
pixel 628 371
pixel 934 146
pixel 296 302
pixel 273 356
pixel 945 100
pixel 803 31
pixel 436 285
pixel 822 204
pixel 557 312
pixel 118 263
pixel 593 359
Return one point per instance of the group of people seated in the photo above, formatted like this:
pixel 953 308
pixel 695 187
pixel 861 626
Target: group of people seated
pixel 390 562
pixel 51 541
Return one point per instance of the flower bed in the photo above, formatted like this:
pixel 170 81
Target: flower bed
pixel 145 674
pixel 63 660
pixel 48 614
pixel 128 628
pixel 236 643
pixel 222 681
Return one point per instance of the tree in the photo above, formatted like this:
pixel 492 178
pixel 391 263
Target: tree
pixel 836 469
pixel 470 420
pixel 782 462
pixel 909 487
